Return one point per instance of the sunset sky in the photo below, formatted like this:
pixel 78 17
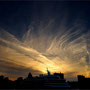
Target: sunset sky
pixel 37 35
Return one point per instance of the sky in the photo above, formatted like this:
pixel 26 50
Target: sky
pixel 36 35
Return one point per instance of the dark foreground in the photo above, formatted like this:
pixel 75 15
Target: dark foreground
pixel 37 83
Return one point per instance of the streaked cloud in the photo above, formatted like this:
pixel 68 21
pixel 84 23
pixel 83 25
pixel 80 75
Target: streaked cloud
pixel 66 50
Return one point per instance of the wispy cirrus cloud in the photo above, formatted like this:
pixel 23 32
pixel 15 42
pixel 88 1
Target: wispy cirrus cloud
pixel 66 50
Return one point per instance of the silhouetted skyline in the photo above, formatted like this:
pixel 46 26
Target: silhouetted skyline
pixel 49 81
pixel 35 35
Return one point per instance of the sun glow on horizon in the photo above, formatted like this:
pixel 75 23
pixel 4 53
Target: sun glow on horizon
pixel 59 52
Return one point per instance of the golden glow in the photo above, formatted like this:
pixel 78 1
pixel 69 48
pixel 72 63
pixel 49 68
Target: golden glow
pixel 40 53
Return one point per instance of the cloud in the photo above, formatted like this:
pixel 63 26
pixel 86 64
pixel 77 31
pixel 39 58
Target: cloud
pixel 65 50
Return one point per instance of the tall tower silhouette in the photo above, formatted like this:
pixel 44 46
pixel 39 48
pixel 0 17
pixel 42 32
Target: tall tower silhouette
pixel 48 72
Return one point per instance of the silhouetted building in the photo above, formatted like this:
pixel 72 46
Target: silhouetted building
pixel 54 81
pixel 32 82
pixel 48 81
pixel 83 82
pixel 29 75
pixel 61 75
pixel 5 83
pixel 81 78
pixel 1 77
